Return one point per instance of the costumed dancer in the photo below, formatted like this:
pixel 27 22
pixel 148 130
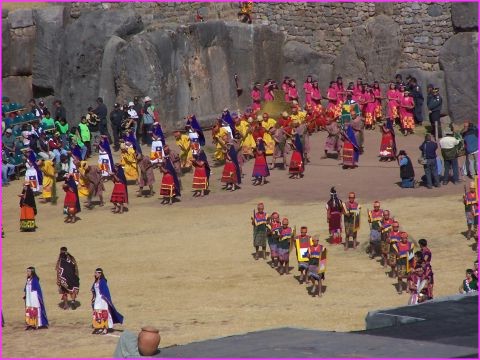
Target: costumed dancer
pixel 35 313
pixel 33 174
pixel 470 199
pixel 302 244
pixel 333 142
pixel 28 208
pixel 259 223
pixel 170 186
pixel 195 126
pixel 404 250
pixel 71 204
pixel 201 175
pixel 104 313
pixel 375 217
pixel 351 219
pixel 48 185
pixel 317 265
pixel 394 237
pixel 470 283
pixel 129 161
pixel 377 92
pixel 417 286
pixel 256 97
pixel 232 174
pixel 260 167
pixel 334 217
pixel 274 227
pixel 94 180
pixel 392 103
pixel 186 155
pixel 386 228
pixel 292 91
pixel 119 193
pixel 406 113
pixel 351 150
pixel 279 151
pixel 308 88
pixel 147 177
pixel 68 281
pixel 105 159
pixel 388 147
pixel 284 243
pixel 296 167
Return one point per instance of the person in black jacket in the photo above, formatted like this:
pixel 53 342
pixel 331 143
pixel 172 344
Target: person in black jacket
pixel 416 92
pixel 407 174
pixel 116 119
pixel 434 104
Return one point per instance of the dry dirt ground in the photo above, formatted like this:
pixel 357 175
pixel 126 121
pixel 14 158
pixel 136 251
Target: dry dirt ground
pixel 188 270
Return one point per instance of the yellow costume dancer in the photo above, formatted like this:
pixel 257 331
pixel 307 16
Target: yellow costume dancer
pixel 186 155
pixel 129 162
pixel 82 183
pixel 48 170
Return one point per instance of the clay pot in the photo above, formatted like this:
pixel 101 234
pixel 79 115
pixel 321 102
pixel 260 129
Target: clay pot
pixel 148 341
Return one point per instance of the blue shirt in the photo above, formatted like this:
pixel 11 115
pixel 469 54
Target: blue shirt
pixel 429 149
pixel 403 162
pixel 471 143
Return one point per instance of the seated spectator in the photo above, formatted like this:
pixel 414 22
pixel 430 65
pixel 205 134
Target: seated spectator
pixel 131 346
pixel 469 285
pixel 56 146
pixel 7 169
pixel 62 127
pixel 8 141
pixel 47 122
pixel 43 147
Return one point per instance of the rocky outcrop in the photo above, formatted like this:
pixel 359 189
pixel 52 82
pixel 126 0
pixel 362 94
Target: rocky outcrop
pixel 465 16
pixel 372 51
pixel 458 59
pixel 82 54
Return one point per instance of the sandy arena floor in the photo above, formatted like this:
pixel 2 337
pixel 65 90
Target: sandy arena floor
pixel 188 268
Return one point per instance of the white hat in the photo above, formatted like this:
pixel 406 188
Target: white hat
pixel 9 131
pixel 131 103
pixel 147 98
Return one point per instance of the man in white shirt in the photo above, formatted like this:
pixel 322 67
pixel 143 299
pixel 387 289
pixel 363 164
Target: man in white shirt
pixel 448 144
pixel 132 114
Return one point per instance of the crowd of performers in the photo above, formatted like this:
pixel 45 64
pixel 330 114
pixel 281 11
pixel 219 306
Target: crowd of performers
pixel 411 266
pixel 104 314
pixel 281 238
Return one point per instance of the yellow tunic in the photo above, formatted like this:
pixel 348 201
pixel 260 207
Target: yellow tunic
pixel 268 124
pixel 299 117
pixel 186 155
pixel 129 162
pixel 269 143
pixel 48 176
pixel 82 183
pixel 248 142
pixel 219 154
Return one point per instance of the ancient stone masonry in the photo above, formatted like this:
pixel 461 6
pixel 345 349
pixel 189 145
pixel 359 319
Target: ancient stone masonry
pixel 78 51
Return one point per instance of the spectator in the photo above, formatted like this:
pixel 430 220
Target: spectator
pixel 26 134
pixel 145 344
pixel 44 148
pixel 85 135
pixel 429 153
pixel 55 145
pixel 43 108
pixel 8 141
pixel 448 145
pixel 7 169
pixel 407 174
pixel 47 122
pixel 470 138
pixel 76 139
pixel 148 120
pixel 34 109
pixel 62 127
pixel 417 95
pixel 102 112
pixel 132 117
pixel 139 109
pixel 116 118
pixel 469 285
pixel 60 112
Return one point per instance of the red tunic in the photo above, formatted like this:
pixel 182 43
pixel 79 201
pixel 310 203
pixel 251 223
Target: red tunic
pixel 119 193
pixel 200 181
pixel 229 174
pixel 167 188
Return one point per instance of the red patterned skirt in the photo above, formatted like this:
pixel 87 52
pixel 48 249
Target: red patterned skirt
pixel 119 194
pixel 229 174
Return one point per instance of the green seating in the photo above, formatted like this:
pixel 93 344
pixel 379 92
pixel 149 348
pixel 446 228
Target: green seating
pixel 29 116
pixel 5 99
pixel 18 119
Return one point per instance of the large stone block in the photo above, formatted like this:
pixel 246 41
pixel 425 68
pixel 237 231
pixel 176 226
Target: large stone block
pixel 48 46
pixel 372 51
pixel 20 18
pixel 82 54
pixel 465 16
pixel 17 88
pixel 5 48
pixel 459 59
pixel 20 51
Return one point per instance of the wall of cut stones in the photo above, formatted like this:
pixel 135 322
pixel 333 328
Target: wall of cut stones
pixel 78 51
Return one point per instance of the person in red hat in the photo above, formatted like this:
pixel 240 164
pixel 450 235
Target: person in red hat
pixel 404 255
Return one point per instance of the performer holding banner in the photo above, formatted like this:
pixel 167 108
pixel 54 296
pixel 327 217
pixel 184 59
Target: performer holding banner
pixel 105 159
pixel 351 219
pixel 317 265
pixel 259 222
pixel 334 217
pixel 387 223
pixel 470 199
pixel 375 217
pixel 404 255
pixel 393 238
pixel 286 235
pixel 274 227
pixel 302 244
pixel 35 313
pixel 104 313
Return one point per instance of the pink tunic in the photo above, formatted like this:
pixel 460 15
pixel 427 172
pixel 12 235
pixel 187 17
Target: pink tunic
pixel 406 115
pixel 308 87
pixel 267 94
pixel 392 104
pixel 332 98
pixel 370 109
pixel 256 97
pixel 378 103
pixel 286 88
pixel 292 93
pixel 316 96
